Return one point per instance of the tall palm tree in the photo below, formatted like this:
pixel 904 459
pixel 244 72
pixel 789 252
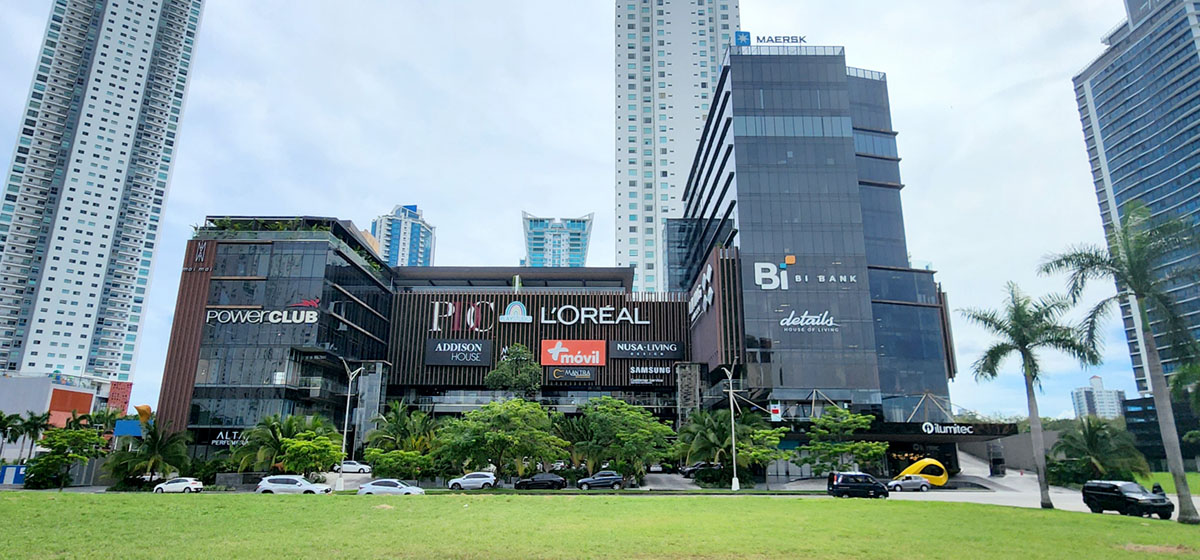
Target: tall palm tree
pixel 32 426
pixel 77 421
pixel 1136 251
pixel 1106 450
pixel 577 432
pixel 9 429
pixel 402 429
pixel 1024 327
pixel 105 420
pixel 706 436
pixel 159 452
pixel 264 442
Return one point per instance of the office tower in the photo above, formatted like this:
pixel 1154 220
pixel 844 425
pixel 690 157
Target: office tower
pixel 404 237
pixel 556 241
pixel 667 55
pixel 1095 400
pixel 84 197
pixel 1138 113
pixel 792 208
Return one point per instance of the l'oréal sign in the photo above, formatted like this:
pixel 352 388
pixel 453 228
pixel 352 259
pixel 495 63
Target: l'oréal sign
pixel 262 316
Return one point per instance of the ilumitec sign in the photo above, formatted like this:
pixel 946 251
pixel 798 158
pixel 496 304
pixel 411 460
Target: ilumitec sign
pixel 455 352
pixel 618 349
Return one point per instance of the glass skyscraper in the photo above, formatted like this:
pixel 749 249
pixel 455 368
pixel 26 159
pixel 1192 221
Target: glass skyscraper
pixel 1140 114
pixel 792 207
pixel 405 238
pixel 556 241
pixel 667 63
pixel 90 172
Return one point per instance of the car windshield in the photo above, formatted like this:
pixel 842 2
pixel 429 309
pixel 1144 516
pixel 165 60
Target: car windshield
pixel 1132 487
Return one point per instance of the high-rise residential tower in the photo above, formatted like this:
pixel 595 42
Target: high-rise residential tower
pixel 1095 400
pixel 405 238
pixel 668 56
pixel 84 196
pixel 1139 111
pixel 556 241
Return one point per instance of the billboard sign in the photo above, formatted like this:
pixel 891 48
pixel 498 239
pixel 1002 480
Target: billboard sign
pixel 573 352
pixel 619 349
pixel 571 373
pixel 456 352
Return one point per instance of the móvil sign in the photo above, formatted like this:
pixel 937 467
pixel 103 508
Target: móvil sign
pixel 573 352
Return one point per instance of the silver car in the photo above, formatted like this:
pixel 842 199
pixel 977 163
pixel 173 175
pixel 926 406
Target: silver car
pixel 909 483
pixel 389 486
pixel 184 485
pixel 352 467
pixel 473 481
pixel 290 484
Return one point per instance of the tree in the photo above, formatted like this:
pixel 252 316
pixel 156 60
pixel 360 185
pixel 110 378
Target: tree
pixel 1136 251
pixel 1024 327
pixel 9 429
pixel 577 432
pixel 1104 451
pixel 264 442
pixel 518 372
pixel 66 447
pixel 406 465
pixel 77 421
pixel 501 433
pixel 402 429
pixel 104 420
pixel 706 437
pixel 32 426
pixel 158 453
pixel 627 433
pixel 308 452
pixel 831 446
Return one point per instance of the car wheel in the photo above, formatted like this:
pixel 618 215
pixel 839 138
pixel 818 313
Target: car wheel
pixel 616 486
pixel 924 488
pixel 158 490
pixel 366 493
pixel 308 492
pixel 487 485
pixel 1164 515
pixel 897 488
pixel 585 486
pixel 187 490
pixel 518 486
pixel 456 486
pixel 267 492
pixel 1095 508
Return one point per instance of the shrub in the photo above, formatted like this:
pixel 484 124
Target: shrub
pixel 405 465
pixel 714 478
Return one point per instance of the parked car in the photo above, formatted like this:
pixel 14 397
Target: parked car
pixel 910 483
pixel 352 467
pixel 473 481
pixel 691 470
pixel 389 486
pixel 290 484
pixel 1127 498
pixel 602 479
pixel 184 485
pixel 849 484
pixel 548 481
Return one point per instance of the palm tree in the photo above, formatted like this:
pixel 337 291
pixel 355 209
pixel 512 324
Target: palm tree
pixel 160 451
pixel 577 432
pixel 1025 326
pixel 706 436
pixel 77 421
pixel 402 429
pixel 9 429
pixel 32 426
pixel 264 442
pixel 1135 252
pixel 105 420
pixel 1108 452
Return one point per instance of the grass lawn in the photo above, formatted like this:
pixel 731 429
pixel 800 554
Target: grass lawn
pixel 1168 483
pixel 212 526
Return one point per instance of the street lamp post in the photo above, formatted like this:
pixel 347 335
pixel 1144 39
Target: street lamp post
pixel 341 484
pixel 734 487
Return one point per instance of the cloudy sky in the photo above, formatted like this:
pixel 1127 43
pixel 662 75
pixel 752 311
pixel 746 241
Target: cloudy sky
pixel 479 110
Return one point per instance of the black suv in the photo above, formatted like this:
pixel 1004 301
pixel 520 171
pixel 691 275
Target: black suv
pixel 548 481
pixel 849 484
pixel 602 479
pixel 1127 498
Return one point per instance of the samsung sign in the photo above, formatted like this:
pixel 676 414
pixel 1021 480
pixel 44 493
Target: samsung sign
pixel 638 349
pixel 446 352
pixel 260 316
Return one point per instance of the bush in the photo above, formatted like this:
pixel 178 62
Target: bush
pixel 572 474
pixel 206 471
pixel 405 465
pixel 47 471
pixel 714 478
pixel 1075 472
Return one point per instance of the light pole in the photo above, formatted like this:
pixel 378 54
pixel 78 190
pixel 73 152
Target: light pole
pixel 341 485
pixel 732 430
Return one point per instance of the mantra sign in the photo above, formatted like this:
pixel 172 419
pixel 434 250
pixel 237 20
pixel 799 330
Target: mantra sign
pixel 481 316
pixel 261 316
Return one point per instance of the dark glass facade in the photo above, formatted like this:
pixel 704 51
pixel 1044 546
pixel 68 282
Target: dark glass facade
pixel 798 168
pixel 1141 419
pixel 1139 109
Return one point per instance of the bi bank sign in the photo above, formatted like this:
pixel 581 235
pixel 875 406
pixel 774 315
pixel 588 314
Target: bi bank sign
pixel 742 39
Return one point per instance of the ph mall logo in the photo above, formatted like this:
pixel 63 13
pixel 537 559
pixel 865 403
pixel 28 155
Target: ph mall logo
pixel 771 276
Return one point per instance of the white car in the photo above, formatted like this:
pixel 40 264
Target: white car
pixel 389 486
pixel 290 484
pixel 352 467
pixel 909 483
pixel 179 485
pixel 473 481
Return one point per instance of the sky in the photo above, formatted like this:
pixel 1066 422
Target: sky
pixel 477 110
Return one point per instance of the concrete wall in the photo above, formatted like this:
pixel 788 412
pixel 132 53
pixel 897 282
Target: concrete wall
pixel 1018 449
pixel 18 395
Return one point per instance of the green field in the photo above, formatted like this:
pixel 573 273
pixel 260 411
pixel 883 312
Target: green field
pixel 1168 483
pixel 212 526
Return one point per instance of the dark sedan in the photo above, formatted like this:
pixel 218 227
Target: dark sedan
pixel 602 479
pixel 548 481
pixel 691 470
